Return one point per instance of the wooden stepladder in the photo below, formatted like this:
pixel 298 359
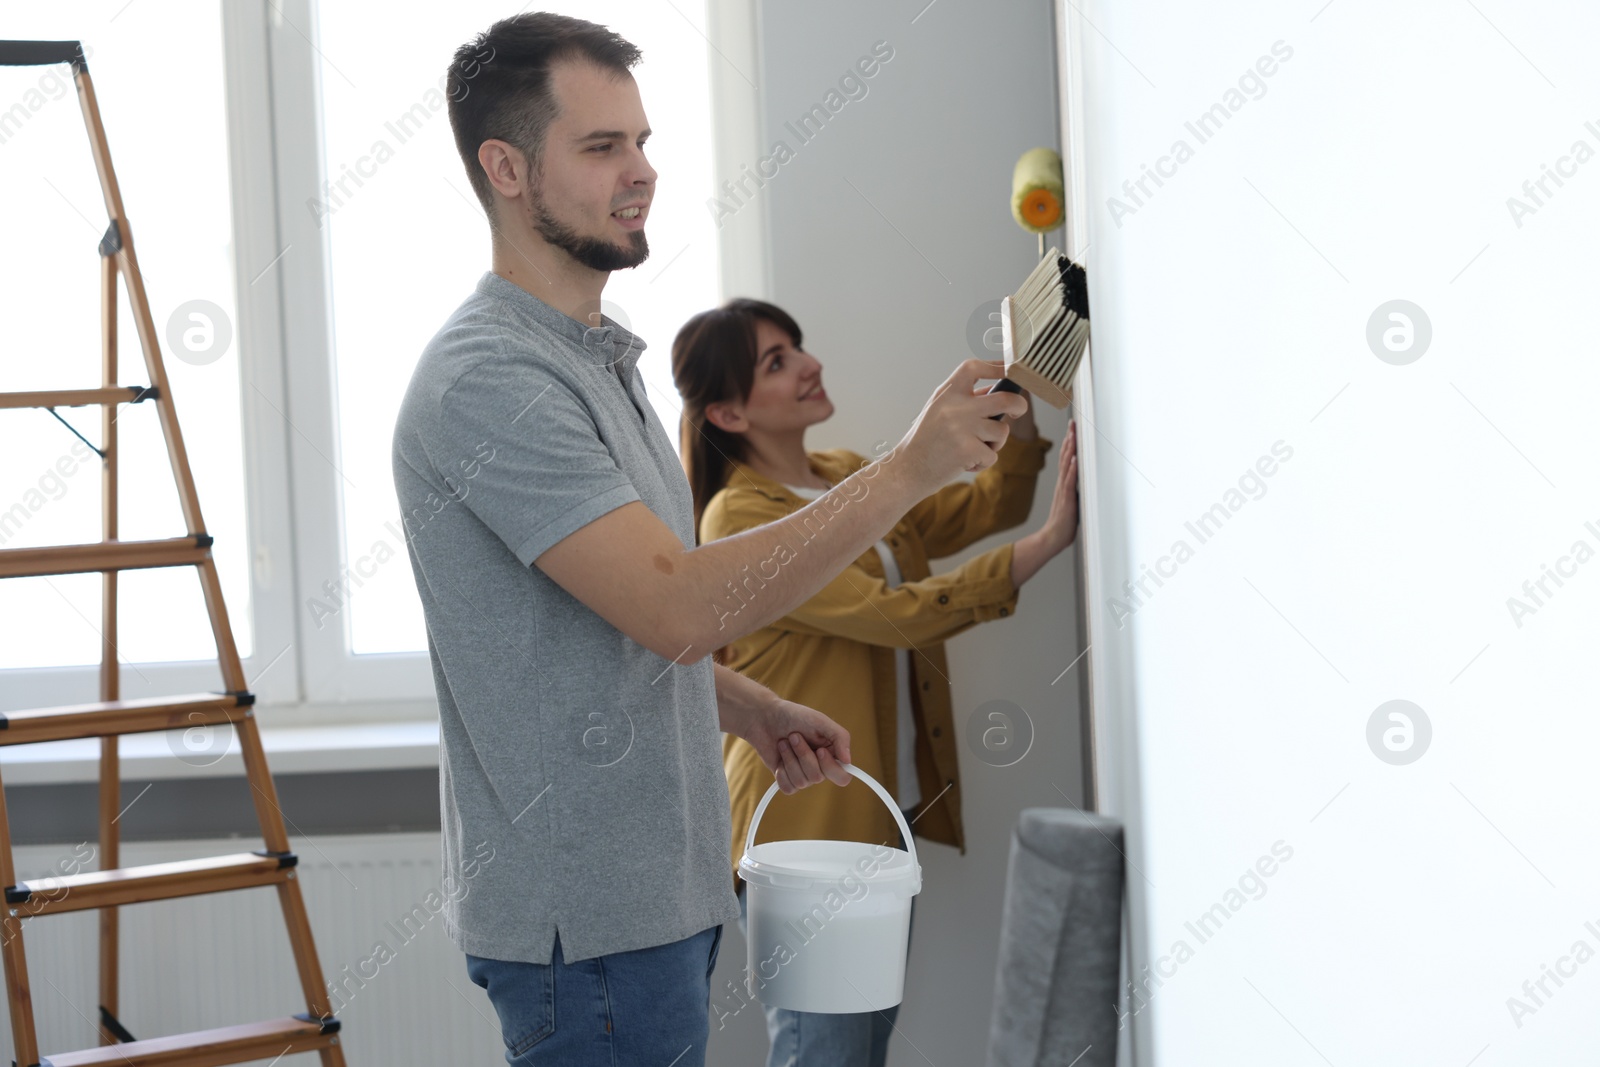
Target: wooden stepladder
pixel 314 1030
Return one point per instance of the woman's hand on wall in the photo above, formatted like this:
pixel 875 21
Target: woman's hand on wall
pixel 1062 525
pixel 1060 529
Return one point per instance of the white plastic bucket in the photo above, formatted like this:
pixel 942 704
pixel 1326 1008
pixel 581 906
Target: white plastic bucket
pixel 829 921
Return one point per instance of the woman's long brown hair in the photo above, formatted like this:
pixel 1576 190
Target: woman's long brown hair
pixel 714 360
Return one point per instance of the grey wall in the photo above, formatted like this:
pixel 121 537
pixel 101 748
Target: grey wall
pixel 398 800
pixel 888 229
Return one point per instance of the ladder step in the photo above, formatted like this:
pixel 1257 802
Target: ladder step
pixel 104 556
pixel 76 398
pixel 205 1048
pixel 155 881
pixel 111 717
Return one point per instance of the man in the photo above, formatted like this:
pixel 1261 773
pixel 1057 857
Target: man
pixel 570 615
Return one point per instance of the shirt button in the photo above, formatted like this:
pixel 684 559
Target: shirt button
pixel 944 599
pixel 1005 611
pixel 926 685
pixel 937 731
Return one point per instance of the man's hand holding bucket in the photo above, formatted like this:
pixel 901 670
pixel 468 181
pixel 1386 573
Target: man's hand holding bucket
pixel 800 745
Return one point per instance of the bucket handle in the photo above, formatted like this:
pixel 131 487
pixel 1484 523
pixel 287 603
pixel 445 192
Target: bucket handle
pixel 883 795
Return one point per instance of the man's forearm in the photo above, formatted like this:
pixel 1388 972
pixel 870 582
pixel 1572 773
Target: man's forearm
pixel 755 577
pixel 739 700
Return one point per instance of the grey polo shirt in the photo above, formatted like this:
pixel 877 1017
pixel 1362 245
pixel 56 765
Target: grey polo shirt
pixel 588 764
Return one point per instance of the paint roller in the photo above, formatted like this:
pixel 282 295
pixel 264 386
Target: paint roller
pixel 1044 325
pixel 1038 192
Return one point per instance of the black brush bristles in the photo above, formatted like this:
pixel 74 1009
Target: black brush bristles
pixel 1054 304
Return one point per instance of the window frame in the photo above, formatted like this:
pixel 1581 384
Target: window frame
pixel 329 672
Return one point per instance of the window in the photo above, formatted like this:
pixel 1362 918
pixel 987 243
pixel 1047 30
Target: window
pixel 158 75
pixel 407 241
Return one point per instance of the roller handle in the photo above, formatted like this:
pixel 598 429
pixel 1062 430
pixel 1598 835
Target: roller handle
pixel 41 53
pixel 1004 385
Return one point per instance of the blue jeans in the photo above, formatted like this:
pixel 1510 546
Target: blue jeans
pixel 825 1039
pixel 649 1007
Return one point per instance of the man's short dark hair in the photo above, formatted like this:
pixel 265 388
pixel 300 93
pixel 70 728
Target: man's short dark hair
pixel 499 84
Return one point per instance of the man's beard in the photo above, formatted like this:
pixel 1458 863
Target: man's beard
pixel 593 252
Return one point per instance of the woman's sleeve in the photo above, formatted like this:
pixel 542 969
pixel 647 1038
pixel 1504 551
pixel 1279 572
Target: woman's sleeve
pixel 863 607
pixel 997 499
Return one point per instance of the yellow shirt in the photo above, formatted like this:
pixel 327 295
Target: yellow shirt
pixel 836 652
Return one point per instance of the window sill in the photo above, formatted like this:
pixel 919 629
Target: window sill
pixel 291 747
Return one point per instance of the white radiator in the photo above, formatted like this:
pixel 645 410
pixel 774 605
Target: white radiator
pixel 206 961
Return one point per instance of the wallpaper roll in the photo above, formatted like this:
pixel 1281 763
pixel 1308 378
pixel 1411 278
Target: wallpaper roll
pixel 1038 191
pixel 1056 986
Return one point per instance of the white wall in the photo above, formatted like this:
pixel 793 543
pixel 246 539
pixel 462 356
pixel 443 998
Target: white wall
pixel 887 231
pixel 1231 311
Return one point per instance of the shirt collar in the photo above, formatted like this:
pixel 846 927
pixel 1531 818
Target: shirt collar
pixel 608 345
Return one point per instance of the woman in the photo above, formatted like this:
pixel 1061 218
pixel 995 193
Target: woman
pixel 868 648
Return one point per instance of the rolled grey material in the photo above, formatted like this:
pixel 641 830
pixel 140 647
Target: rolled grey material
pixel 1056 984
